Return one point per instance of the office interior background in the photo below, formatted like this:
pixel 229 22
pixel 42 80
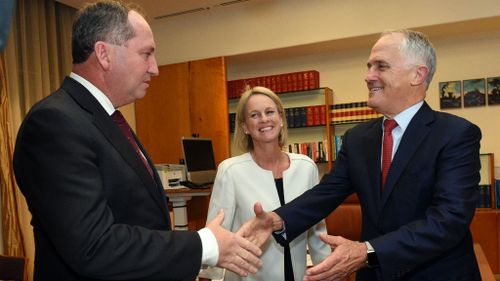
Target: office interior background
pixel 264 37
pixel 334 37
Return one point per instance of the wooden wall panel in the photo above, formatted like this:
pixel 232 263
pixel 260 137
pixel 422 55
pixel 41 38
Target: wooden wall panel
pixel 186 98
pixel 162 116
pixel 209 105
pixel 209 118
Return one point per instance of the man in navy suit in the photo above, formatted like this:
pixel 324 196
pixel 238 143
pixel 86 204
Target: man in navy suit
pixel 99 209
pixel 416 225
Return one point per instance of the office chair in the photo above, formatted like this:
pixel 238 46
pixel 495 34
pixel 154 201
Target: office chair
pixel 13 268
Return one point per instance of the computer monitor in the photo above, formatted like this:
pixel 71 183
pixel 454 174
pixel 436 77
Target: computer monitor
pixel 199 160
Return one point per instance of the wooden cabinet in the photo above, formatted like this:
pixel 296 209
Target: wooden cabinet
pixel 186 98
pixel 485 231
pixel 162 116
pixel 485 225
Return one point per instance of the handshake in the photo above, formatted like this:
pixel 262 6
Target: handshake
pixel 239 252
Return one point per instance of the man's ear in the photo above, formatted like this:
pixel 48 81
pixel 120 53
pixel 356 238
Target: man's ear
pixel 102 53
pixel 420 75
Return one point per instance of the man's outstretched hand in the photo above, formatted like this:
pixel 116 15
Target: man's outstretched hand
pixel 235 252
pixel 258 229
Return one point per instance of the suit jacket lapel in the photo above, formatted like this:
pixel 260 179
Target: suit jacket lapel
pixel 144 173
pixel 111 131
pixel 372 143
pixel 414 134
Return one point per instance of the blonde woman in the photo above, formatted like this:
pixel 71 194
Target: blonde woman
pixel 268 175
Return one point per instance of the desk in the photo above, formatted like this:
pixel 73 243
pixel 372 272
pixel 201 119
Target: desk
pixel 179 198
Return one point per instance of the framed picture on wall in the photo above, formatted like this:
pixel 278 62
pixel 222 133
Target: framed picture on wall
pixel 493 90
pixel 474 92
pixel 450 94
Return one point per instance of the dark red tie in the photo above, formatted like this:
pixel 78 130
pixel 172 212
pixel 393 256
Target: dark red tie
pixel 389 125
pixel 127 131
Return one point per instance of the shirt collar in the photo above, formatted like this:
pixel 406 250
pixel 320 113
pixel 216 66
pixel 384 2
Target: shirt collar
pixel 405 116
pixel 98 94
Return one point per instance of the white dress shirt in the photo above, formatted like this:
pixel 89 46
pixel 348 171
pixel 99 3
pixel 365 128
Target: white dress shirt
pixel 403 119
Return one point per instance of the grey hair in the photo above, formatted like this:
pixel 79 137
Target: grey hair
pixel 418 49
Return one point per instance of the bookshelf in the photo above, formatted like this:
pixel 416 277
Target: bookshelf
pixel 347 115
pixel 485 225
pixel 487 182
pixel 319 99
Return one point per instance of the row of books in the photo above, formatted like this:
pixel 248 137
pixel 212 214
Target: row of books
pixel 306 116
pixel 279 83
pixel 315 115
pixel 487 184
pixel 316 150
pixel 352 112
pixel 484 200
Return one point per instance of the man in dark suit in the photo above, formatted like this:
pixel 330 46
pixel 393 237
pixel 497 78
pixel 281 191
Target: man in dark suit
pixel 99 209
pixel 416 210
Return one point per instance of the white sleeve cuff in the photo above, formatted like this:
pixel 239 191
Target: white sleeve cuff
pixel 210 254
pixel 281 232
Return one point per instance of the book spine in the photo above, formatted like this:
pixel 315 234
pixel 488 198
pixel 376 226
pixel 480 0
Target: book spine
pixel 289 116
pixel 296 148
pixel 293 117
pixel 321 152
pixel 322 112
pixel 303 116
pixel 480 201
pixel 310 116
pixel 497 194
pixel 488 196
pixel 296 117
pixel 232 120
pixel 484 200
pixel 316 115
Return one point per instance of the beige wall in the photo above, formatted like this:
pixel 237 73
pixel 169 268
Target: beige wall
pixel 468 58
pixel 262 37
pixel 259 25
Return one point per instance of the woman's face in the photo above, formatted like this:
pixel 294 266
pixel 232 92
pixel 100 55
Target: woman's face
pixel 262 119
